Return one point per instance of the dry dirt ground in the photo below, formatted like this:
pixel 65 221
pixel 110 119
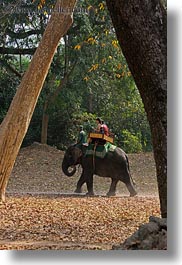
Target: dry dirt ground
pixel 41 211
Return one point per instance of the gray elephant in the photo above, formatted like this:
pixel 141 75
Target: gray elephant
pixel 114 165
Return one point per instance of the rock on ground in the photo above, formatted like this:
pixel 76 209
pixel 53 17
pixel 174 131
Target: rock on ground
pixel 149 236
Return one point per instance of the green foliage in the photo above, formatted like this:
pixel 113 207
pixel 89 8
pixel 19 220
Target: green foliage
pixel 99 85
pixel 131 143
pixel 8 86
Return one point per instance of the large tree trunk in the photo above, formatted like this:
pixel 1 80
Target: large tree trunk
pixel 141 28
pixel 16 122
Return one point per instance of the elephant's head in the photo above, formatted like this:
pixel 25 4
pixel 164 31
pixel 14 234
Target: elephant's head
pixel 71 159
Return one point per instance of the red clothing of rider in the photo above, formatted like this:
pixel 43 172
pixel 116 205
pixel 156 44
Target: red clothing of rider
pixel 104 129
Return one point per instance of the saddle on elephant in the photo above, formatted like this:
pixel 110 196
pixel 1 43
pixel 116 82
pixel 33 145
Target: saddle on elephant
pixel 98 144
pixel 99 150
pixel 101 138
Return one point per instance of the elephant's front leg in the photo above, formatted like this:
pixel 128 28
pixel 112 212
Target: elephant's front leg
pixel 89 182
pixel 112 190
pixel 80 183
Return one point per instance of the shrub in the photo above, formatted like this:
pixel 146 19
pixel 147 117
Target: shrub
pixel 131 143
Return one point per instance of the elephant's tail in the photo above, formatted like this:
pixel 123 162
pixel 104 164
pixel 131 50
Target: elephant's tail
pixel 129 171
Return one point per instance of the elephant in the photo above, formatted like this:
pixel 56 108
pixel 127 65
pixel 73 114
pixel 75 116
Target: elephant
pixel 114 165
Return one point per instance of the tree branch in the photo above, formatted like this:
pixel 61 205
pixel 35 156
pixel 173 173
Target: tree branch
pixel 4 50
pixel 23 35
pixel 62 83
pixel 11 68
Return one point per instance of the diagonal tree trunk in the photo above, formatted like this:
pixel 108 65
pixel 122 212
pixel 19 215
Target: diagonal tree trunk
pixel 141 28
pixel 16 122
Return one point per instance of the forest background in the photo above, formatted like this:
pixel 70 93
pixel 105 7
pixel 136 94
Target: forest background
pixel 88 77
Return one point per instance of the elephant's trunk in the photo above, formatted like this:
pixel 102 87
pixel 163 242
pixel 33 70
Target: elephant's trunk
pixel 66 170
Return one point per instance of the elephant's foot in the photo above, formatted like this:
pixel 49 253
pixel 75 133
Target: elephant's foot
pixel 78 190
pixel 90 193
pixel 111 193
pixel 131 190
pixel 133 194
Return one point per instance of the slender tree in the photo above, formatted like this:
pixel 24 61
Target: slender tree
pixel 50 101
pixel 141 29
pixel 15 124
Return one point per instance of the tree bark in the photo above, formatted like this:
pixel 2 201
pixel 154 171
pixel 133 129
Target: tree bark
pixel 141 28
pixel 16 122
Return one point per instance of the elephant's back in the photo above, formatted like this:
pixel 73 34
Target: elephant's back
pixel 118 155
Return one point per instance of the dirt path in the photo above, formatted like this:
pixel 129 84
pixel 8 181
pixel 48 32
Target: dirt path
pixel 38 169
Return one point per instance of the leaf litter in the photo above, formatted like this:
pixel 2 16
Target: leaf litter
pixel 99 222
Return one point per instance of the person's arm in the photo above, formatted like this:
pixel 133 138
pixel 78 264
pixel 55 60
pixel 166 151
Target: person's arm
pixel 98 128
pixel 80 137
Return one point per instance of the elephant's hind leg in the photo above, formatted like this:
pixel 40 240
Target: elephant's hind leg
pixel 131 189
pixel 112 190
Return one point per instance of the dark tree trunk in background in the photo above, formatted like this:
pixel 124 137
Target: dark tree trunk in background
pixel 45 122
pixel 141 28
pixel 51 100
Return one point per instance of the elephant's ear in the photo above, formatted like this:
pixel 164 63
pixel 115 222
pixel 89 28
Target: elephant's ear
pixel 77 154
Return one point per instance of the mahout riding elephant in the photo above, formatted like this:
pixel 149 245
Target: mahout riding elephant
pixel 114 165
